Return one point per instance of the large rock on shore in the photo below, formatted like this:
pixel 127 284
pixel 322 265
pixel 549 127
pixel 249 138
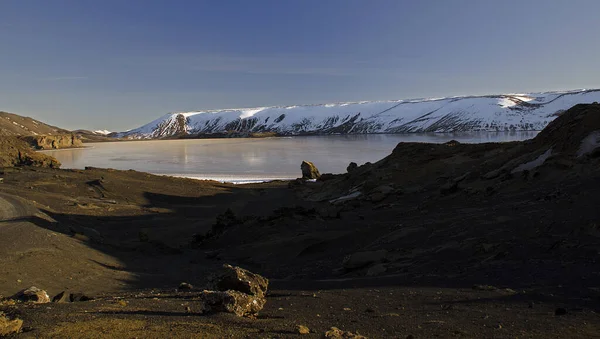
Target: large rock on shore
pixel 309 170
pixel 53 141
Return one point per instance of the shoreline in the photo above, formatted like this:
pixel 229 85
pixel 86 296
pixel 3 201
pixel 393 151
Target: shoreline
pixel 62 149
pixel 219 137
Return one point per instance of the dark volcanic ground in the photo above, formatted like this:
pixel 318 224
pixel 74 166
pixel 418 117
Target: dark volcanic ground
pixel 443 241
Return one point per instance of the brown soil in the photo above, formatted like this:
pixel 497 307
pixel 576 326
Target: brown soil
pixel 472 248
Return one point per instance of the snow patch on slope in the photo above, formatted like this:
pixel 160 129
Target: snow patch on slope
pixel 589 144
pixel 534 163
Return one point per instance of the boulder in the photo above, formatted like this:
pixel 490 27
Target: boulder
pixel 362 259
pixel 9 326
pixel 241 280
pixel 238 303
pixel 33 295
pixel 309 170
pixel 64 297
pixel 351 167
pixel 185 286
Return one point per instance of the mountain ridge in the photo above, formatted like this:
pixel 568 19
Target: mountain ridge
pixel 502 112
pixel 16 125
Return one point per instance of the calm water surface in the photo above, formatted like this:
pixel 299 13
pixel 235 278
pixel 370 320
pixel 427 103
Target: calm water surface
pixel 239 160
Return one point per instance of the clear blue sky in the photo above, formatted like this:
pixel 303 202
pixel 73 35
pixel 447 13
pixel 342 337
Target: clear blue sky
pixel 118 64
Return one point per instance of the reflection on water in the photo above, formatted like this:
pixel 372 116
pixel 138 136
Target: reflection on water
pixel 270 158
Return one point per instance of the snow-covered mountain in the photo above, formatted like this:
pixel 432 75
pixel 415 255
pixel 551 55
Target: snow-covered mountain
pixel 456 114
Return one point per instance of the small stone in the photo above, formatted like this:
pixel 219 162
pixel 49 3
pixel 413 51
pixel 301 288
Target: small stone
pixel 185 286
pixel 347 309
pixel 336 333
pixel 188 309
pixel 303 329
pixel 121 303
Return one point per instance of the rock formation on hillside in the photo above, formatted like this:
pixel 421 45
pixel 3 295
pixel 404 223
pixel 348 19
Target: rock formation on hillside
pixel 16 152
pixel 46 142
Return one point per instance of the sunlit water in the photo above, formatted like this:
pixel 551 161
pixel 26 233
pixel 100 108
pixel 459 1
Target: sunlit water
pixel 247 160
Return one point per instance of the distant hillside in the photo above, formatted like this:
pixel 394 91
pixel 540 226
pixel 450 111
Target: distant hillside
pixel 16 125
pixel 94 136
pixel 506 112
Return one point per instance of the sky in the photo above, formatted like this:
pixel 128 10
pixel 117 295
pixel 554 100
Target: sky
pixel 118 64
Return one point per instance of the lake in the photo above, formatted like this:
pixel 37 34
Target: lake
pixel 248 160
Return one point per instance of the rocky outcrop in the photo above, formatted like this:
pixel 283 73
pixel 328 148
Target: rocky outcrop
pixel 15 152
pixel 309 170
pixel 46 142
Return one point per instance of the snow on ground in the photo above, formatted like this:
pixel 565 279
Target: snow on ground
pixel 350 196
pixel 103 132
pixel 534 163
pixel 589 144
